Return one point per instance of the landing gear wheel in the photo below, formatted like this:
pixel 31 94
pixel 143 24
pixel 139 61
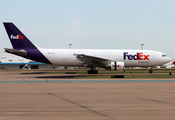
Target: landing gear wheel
pixel 95 72
pixel 150 71
pixel 89 71
pixel 92 72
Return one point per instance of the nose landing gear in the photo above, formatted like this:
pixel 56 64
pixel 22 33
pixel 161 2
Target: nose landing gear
pixel 151 71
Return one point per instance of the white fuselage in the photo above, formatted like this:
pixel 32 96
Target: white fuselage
pixel 131 58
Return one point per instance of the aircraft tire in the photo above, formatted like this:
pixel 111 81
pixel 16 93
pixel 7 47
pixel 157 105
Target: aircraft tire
pixel 92 72
pixel 150 71
pixel 89 72
pixel 95 72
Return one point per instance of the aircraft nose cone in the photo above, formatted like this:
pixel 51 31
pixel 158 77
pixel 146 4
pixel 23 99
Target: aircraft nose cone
pixel 169 59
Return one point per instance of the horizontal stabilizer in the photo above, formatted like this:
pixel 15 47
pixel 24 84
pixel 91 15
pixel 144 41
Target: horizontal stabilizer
pixel 16 52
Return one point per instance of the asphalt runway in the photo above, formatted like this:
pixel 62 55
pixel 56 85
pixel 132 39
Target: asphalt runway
pixel 25 97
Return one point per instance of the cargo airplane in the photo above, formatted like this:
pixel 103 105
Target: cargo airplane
pixel 109 59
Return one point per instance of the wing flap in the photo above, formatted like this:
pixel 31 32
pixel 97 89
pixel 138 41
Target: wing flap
pixel 89 60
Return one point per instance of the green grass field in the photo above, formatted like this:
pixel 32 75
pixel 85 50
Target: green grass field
pixel 129 73
pixel 133 73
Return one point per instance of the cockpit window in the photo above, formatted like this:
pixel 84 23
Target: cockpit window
pixel 164 55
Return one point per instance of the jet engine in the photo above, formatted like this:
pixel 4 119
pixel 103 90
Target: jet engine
pixel 115 66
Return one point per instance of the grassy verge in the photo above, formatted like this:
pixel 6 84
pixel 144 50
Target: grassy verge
pixel 106 72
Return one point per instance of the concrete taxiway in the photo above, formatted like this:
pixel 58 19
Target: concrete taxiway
pixel 122 100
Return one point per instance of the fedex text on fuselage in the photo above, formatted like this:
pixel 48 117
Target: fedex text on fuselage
pixel 137 56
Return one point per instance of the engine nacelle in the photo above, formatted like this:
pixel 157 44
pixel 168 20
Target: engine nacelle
pixel 117 65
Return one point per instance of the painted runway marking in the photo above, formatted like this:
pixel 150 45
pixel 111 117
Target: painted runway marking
pixel 87 81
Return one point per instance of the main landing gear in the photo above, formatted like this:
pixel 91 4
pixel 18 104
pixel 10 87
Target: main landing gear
pixel 92 71
pixel 151 71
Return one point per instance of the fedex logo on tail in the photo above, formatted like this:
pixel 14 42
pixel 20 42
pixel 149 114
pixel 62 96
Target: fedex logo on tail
pixel 16 37
pixel 138 56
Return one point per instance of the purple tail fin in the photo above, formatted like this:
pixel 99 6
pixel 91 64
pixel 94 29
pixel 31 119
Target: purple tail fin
pixel 17 38
pixel 22 45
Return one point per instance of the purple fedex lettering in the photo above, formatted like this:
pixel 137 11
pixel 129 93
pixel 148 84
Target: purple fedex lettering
pixel 130 57
pixel 135 57
pixel 124 56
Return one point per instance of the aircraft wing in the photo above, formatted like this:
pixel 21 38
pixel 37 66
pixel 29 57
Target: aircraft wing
pixel 89 60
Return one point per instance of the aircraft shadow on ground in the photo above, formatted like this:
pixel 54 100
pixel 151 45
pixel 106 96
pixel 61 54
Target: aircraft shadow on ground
pixel 61 76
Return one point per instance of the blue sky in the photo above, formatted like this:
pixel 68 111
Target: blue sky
pixel 93 24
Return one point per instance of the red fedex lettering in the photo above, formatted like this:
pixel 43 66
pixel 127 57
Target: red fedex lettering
pixel 119 66
pixel 146 57
pixel 20 37
pixel 140 56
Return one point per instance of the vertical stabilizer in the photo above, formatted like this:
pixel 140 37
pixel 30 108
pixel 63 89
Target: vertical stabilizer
pixel 17 38
pixel 22 46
